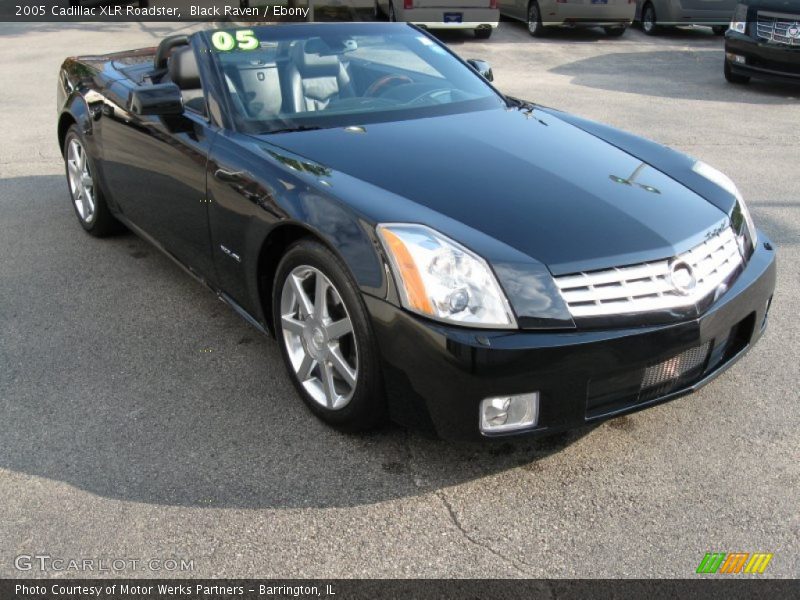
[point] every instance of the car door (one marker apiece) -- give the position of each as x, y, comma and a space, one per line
155, 170
510, 8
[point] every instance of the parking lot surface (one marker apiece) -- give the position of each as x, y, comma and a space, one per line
141, 418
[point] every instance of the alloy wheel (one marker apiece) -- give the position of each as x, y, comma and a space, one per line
81, 183
319, 338
649, 19
533, 19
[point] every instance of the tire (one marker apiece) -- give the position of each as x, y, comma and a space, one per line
649, 19
314, 343
535, 26
483, 34
87, 197
615, 31
719, 29
735, 78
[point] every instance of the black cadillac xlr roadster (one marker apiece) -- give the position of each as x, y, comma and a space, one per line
423, 247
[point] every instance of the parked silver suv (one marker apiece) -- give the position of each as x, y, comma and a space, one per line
613, 15
654, 14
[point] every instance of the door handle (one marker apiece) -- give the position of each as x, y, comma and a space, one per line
228, 176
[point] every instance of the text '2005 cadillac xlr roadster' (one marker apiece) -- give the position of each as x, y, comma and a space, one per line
423, 247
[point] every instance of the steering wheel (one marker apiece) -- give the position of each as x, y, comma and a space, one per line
387, 80
430, 93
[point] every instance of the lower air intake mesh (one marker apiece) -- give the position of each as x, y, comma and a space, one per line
659, 378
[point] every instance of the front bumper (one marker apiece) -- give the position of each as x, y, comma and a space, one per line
614, 14
778, 62
439, 18
436, 375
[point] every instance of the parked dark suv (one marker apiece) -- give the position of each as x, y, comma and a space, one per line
764, 41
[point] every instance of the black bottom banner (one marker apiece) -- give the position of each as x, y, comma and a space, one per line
346, 589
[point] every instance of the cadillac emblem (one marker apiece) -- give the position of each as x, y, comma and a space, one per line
682, 277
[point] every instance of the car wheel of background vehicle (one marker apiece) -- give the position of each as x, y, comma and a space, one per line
326, 338
87, 199
483, 34
535, 26
392, 15
719, 29
614, 31
734, 77
649, 22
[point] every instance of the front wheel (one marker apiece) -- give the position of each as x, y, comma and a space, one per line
649, 21
87, 198
326, 338
483, 34
535, 26
614, 31
719, 29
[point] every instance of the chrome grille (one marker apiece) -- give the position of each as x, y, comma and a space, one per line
648, 286
782, 29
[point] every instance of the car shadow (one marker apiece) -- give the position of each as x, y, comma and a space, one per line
643, 73
125, 378
513, 30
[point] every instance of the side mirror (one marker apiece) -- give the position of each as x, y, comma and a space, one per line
159, 99
482, 67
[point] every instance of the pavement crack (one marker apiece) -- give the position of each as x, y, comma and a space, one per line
518, 566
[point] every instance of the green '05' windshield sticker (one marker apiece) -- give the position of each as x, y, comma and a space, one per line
243, 39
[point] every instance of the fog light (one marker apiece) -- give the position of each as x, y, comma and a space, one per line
509, 413
736, 58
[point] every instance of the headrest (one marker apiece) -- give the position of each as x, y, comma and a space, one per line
315, 59
183, 69
165, 47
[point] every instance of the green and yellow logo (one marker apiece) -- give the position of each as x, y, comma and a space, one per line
735, 562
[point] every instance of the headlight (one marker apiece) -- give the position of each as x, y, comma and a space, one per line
741, 220
739, 19
440, 279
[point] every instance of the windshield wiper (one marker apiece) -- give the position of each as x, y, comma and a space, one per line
522, 104
295, 128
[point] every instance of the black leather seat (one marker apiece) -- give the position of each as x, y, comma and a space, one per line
183, 71
315, 76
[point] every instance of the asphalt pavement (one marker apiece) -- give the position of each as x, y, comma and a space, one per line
140, 418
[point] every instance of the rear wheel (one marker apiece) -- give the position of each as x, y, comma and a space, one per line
483, 34
87, 198
649, 21
326, 338
535, 26
719, 29
614, 31
732, 77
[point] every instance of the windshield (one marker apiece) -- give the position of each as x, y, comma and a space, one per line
331, 75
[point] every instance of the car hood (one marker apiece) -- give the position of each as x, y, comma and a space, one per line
529, 179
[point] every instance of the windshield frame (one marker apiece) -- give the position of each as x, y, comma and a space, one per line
292, 31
